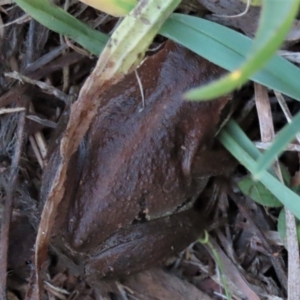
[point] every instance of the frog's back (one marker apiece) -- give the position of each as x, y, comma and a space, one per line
139, 153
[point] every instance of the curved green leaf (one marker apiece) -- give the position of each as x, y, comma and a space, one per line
228, 49
276, 18
58, 20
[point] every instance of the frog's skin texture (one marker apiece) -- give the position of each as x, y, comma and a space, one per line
140, 168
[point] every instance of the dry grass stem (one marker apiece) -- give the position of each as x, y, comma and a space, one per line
267, 135
49, 89
266, 145
11, 110
237, 15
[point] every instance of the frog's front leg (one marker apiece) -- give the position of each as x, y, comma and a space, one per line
144, 245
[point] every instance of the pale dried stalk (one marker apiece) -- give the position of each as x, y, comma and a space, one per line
267, 135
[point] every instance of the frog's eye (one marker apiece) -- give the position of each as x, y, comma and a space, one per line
117, 8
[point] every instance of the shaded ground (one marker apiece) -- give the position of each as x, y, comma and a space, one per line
243, 234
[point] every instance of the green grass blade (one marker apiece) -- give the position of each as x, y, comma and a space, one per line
244, 142
234, 129
276, 18
290, 199
58, 20
221, 45
229, 49
279, 144
270, 36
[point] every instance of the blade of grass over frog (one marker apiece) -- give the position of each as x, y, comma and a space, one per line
117, 8
133, 36
58, 20
289, 199
229, 49
279, 144
270, 36
208, 39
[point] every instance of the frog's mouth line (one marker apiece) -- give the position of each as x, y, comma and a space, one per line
187, 203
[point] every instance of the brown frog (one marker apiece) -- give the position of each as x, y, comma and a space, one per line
140, 169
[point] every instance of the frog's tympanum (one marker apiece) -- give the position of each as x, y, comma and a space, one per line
140, 168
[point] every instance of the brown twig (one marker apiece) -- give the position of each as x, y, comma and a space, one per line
55, 65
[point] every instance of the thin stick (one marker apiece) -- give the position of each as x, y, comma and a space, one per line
267, 134
291, 232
